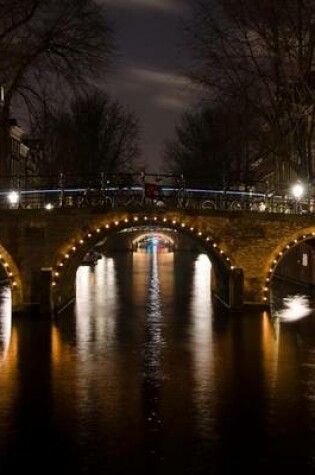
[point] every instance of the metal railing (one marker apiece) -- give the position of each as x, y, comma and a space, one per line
137, 190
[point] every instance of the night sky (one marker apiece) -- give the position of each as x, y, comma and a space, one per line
148, 70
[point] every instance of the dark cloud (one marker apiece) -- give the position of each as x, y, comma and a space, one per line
166, 6
164, 89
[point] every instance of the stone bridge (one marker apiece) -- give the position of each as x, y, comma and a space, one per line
40, 250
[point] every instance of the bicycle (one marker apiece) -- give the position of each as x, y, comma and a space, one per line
208, 204
129, 196
217, 201
94, 198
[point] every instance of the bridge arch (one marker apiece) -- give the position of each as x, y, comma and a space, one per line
13, 277
71, 253
279, 253
160, 235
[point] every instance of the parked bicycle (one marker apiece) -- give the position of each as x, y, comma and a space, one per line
128, 195
92, 197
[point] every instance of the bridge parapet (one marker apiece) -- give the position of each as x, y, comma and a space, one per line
139, 190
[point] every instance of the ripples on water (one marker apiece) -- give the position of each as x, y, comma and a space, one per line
147, 377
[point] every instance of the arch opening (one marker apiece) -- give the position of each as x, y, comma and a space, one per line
10, 277
153, 241
290, 284
112, 233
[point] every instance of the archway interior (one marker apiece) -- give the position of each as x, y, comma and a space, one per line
146, 239
153, 242
120, 236
150, 276
292, 289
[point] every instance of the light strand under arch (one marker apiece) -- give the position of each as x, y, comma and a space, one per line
279, 256
175, 223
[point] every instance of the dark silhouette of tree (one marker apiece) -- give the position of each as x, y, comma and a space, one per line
49, 48
95, 135
208, 148
260, 53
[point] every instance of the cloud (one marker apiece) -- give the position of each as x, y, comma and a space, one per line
154, 76
166, 6
161, 89
166, 90
158, 97
171, 103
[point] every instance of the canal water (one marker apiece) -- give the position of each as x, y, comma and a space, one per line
147, 375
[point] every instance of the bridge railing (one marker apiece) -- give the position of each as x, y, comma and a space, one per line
137, 190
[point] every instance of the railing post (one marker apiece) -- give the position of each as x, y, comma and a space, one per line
102, 181
62, 190
103, 188
18, 189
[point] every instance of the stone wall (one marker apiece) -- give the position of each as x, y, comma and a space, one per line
35, 241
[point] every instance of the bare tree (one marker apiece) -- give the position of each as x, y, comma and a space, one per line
58, 44
262, 53
95, 135
14, 14
209, 147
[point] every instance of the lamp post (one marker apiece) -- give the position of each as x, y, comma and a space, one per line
298, 191
14, 199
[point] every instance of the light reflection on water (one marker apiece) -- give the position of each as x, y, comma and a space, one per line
153, 341
202, 340
146, 377
295, 307
152, 373
5, 321
290, 304
96, 294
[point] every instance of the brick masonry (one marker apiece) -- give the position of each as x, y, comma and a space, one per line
34, 243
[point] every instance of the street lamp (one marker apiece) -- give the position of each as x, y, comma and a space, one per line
297, 190
13, 198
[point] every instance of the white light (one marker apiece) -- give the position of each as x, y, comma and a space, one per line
49, 206
5, 322
295, 308
298, 190
13, 197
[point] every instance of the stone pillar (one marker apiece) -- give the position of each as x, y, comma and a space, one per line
37, 297
236, 295
44, 290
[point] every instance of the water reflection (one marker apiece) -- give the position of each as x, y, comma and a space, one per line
8, 366
146, 377
96, 293
295, 307
5, 320
270, 348
153, 332
290, 303
202, 340
152, 362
